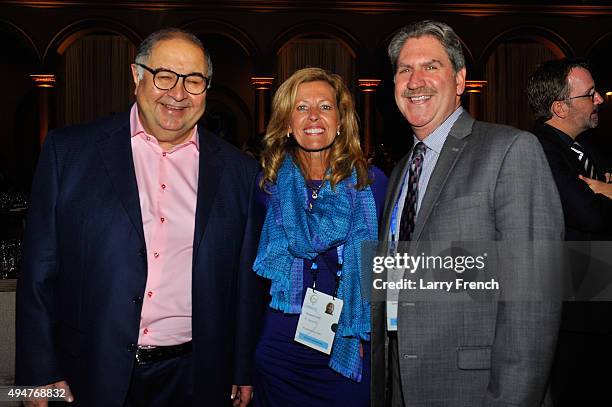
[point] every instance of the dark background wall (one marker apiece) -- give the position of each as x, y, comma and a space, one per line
88, 46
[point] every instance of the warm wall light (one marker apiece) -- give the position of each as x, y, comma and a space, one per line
43, 80
368, 85
261, 82
609, 96
474, 86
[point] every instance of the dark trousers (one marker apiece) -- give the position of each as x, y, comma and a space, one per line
395, 393
168, 383
581, 373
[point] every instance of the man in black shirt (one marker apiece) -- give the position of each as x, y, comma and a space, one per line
563, 96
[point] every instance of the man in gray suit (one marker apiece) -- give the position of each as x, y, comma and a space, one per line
478, 182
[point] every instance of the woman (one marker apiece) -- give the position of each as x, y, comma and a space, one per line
322, 202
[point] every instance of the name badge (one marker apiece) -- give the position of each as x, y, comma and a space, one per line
391, 315
394, 275
318, 321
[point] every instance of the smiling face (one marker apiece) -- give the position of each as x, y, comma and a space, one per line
315, 117
170, 115
427, 90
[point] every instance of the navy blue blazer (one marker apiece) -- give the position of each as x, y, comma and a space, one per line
79, 295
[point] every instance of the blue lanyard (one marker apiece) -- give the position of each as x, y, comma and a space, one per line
314, 268
393, 225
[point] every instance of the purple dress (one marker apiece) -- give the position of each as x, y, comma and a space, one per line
289, 374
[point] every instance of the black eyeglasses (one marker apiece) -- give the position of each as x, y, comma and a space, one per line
588, 95
165, 79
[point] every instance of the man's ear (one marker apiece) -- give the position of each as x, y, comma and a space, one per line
460, 81
560, 109
135, 77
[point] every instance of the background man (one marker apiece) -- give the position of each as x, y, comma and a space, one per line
136, 287
464, 181
563, 96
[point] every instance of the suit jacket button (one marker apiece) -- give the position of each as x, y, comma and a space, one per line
132, 347
142, 252
137, 299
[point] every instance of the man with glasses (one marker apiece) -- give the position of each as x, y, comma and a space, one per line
136, 287
563, 96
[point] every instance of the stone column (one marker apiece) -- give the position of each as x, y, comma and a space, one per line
473, 90
367, 88
262, 86
43, 83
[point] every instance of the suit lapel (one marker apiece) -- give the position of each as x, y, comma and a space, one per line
452, 149
211, 168
115, 149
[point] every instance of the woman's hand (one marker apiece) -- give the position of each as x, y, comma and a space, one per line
599, 187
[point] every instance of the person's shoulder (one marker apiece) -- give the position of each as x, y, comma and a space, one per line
231, 154
377, 176
79, 136
503, 134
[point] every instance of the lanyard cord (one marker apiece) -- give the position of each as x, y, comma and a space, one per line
314, 268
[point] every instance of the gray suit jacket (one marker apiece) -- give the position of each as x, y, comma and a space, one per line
490, 183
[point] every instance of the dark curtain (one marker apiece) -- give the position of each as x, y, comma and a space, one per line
322, 53
96, 79
506, 73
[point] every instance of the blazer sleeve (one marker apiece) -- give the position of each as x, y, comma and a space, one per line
251, 291
36, 360
527, 208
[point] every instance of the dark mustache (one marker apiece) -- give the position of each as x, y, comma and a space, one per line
408, 93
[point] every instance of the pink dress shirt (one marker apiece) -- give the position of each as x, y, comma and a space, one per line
167, 187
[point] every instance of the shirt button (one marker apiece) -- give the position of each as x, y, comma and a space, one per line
163, 186
132, 347
148, 138
146, 331
164, 154
163, 220
156, 255
150, 294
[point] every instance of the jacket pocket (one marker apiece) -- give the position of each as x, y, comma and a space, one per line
462, 202
474, 357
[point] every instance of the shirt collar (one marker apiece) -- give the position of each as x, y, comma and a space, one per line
137, 129
564, 137
435, 141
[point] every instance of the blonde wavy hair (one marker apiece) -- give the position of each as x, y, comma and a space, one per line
345, 153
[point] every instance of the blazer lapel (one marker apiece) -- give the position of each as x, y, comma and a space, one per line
115, 149
455, 142
211, 169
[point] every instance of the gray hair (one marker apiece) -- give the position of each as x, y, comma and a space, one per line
443, 32
146, 46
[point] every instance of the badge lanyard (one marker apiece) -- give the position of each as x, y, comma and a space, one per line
393, 225
314, 268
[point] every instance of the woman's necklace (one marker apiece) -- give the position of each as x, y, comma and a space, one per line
314, 188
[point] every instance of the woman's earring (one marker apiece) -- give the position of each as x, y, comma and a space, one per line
338, 132
288, 134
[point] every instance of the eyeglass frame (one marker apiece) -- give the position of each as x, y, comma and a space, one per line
588, 95
178, 77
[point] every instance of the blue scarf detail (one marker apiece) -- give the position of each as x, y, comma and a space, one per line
293, 233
